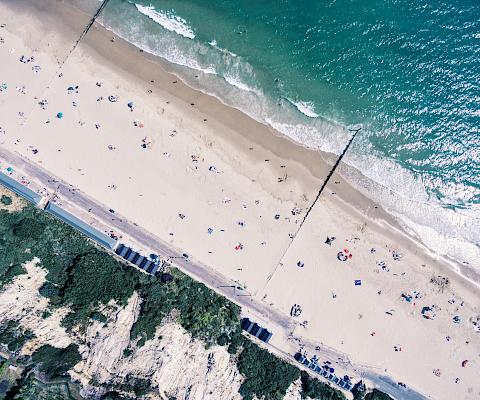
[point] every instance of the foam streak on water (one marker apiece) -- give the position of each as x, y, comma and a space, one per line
168, 20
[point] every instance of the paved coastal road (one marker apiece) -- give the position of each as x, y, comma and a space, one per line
73, 197
198, 271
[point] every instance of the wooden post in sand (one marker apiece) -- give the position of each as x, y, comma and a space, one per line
332, 171
355, 131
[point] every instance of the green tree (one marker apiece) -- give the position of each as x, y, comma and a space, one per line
376, 394
314, 389
55, 362
28, 228
266, 376
14, 336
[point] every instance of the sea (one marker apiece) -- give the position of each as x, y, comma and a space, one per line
406, 72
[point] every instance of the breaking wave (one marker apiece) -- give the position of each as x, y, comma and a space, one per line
168, 20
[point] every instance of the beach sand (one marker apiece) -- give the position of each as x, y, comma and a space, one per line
231, 193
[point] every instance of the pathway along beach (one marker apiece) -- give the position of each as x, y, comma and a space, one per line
232, 193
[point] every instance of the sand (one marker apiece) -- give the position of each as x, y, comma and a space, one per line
211, 181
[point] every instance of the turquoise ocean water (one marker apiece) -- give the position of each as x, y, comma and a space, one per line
407, 72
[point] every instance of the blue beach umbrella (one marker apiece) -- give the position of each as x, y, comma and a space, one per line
60, 115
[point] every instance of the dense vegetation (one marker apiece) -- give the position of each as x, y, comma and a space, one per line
266, 376
314, 389
204, 314
83, 278
376, 394
33, 389
54, 362
13, 336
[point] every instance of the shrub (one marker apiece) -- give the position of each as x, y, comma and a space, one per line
6, 200
203, 313
95, 278
97, 316
49, 290
127, 352
237, 340
28, 228
139, 386
113, 396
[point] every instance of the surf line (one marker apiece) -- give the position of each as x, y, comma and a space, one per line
330, 174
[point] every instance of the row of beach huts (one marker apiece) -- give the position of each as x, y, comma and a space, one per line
325, 370
148, 264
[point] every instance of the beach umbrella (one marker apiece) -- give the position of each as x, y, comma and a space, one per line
60, 115
464, 363
130, 105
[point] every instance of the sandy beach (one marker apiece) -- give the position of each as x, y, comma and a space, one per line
231, 193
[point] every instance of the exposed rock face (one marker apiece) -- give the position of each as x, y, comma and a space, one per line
20, 301
176, 365
105, 343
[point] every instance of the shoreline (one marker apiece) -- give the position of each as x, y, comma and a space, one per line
123, 56
316, 161
360, 184
225, 140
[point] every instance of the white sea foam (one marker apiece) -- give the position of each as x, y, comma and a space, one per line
443, 230
239, 84
171, 52
451, 233
176, 56
305, 107
168, 20
214, 44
